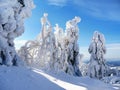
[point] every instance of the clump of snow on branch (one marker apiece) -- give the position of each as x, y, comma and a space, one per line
97, 67
12, 15
56, 50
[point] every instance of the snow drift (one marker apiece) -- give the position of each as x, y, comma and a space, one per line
19, 78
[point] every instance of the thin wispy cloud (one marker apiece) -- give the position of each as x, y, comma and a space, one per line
103, 9
113, 51
114, 46
57, 2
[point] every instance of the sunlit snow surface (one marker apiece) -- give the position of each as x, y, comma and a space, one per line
16, 78
63, 84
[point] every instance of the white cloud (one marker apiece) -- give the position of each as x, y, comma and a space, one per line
57, 2
19, 43
113, 46
113, 52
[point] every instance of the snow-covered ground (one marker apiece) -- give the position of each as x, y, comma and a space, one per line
19, 78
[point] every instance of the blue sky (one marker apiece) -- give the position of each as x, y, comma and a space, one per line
101, 15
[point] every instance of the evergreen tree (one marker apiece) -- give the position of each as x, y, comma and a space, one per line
97, 67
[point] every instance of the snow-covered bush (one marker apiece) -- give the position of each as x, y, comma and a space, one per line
97, 67
111, 79
12, 15
113, 76
56, 50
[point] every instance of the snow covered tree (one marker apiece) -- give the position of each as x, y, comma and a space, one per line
66, 54
12, 15
72, 55
97, 67
56, 62
47, 49
39, 52
67, 48
56, 50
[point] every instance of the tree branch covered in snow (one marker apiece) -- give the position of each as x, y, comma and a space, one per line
12, 15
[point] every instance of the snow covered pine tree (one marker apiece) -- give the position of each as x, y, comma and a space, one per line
12, 15
97, 67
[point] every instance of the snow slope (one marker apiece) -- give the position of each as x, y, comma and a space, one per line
19, 78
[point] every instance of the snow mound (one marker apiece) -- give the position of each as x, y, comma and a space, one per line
19, 78
15, 78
